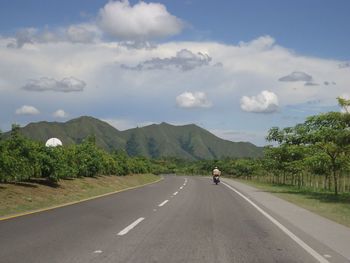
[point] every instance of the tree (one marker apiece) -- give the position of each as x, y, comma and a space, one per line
328, 132
244, 168
88, 158
19, 157
344, 103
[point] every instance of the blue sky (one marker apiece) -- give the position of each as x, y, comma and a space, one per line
236, 68
313, 27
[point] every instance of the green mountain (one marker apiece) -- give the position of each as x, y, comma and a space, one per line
188, 141
75, 131
156, 140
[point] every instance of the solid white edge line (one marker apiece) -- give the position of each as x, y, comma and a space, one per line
163, 203
175, 193
131, 226
301, 243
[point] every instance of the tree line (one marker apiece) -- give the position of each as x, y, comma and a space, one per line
23, 159
313, 155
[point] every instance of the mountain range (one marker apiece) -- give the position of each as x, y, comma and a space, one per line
153, 141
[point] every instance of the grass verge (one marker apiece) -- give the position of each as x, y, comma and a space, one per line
37, 194
326, 204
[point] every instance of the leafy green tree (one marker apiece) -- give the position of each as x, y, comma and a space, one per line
244, 168
328, 132
53, 164
121, 160
318, 163
344, 103
88, 158
19, 157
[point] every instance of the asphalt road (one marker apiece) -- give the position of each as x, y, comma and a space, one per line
180, 219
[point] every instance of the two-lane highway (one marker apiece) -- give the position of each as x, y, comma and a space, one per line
180, 219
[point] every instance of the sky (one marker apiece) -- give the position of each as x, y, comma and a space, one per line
235, 68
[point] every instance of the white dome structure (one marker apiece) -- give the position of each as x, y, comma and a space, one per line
53, 142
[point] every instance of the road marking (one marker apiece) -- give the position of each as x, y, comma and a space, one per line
301, 243
97, 251
175, 193
327, 256
181, 187
163, 203
131, 226
154, 210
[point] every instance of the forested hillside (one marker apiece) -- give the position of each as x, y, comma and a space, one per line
153, 141
188, 142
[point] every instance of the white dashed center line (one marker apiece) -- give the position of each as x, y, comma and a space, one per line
97, 251
131, 226
181, 187
163, 203
175, 193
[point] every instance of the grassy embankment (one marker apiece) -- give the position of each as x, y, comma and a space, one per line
37, 194
326, 204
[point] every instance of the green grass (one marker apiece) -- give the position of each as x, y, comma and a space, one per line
38, 194
326, 204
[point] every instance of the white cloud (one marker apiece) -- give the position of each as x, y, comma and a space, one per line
112, 90
60, 114
261, 43
83, 33
139, 22
27, 110
265, 102
193, 100
70, 84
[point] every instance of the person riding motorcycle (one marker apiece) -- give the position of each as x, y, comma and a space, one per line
216, 173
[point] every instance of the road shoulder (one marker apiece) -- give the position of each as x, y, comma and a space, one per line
331, 234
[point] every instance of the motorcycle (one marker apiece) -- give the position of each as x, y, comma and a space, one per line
216, 179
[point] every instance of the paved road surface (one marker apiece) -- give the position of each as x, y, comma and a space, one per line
180, 219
